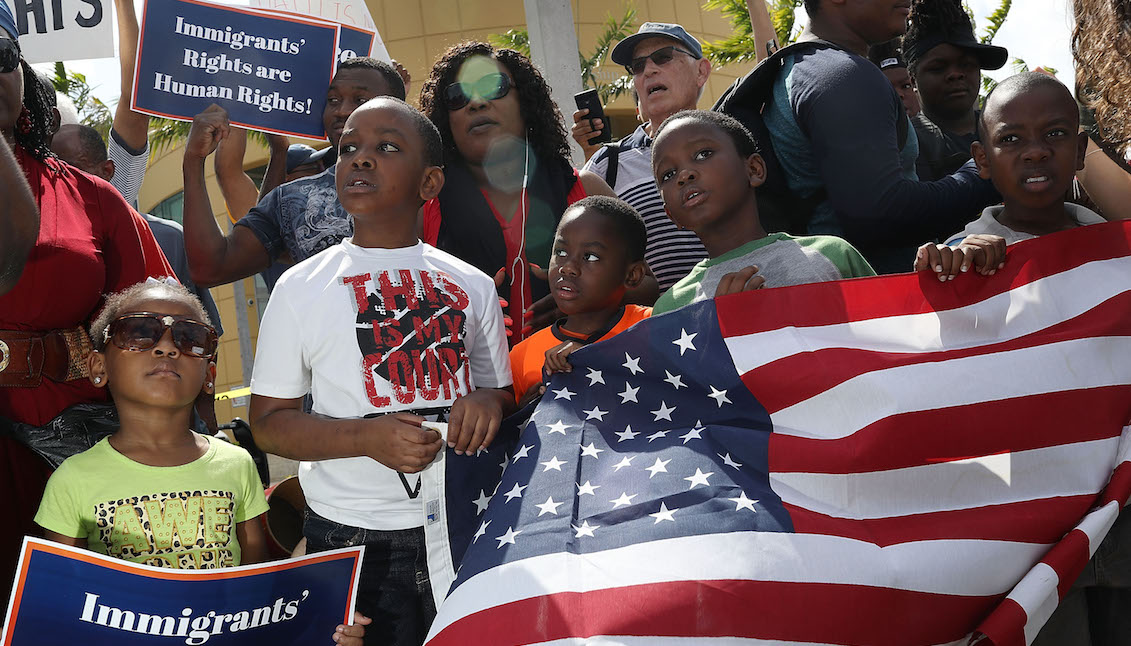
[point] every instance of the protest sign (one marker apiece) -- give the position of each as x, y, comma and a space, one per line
269, 71
64, 30
356, 41
67, 595
353, 41
350, 13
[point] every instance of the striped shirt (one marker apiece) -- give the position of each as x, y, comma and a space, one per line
671, 252
129, 166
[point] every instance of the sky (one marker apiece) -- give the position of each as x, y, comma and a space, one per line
1037, 31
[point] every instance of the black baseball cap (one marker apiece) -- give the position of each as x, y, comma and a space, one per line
990, 57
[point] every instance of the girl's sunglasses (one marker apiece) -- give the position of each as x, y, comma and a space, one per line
141, 331
490, 87
9, 55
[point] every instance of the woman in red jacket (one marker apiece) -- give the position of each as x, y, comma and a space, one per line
90, 243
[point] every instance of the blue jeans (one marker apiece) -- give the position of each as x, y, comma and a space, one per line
394, 589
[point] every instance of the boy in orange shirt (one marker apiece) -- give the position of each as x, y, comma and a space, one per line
598, 254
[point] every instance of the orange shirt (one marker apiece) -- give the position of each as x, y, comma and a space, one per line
528, 356
519, 297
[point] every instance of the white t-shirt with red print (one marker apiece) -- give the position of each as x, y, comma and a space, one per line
371, 331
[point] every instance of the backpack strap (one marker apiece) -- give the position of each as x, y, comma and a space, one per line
901, 128
779, 208
612, 154
756, 87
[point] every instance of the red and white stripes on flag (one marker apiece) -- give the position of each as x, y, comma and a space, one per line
970, 424
949, 454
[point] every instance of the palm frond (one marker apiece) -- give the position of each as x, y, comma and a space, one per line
165, 133
782, 14
91, 110
740, 47
736, 12
618, 88
736, 48
988, 85
995, 20
614, 29
517, 39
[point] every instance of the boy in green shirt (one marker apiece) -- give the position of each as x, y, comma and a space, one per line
707, 167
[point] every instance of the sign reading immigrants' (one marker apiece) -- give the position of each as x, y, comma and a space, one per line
74, 596
269, 71
352, 15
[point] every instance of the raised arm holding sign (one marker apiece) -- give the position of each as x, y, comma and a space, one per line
265, 69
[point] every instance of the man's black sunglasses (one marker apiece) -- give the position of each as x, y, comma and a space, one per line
661, 56
9, 55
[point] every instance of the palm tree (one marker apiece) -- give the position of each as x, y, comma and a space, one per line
614, 30
92, 111
164, 133
739, 47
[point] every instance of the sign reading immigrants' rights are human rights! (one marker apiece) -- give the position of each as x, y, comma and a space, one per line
67, 595
269, 70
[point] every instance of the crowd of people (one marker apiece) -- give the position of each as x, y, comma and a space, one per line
437, 265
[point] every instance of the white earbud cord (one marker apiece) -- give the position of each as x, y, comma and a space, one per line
519, 273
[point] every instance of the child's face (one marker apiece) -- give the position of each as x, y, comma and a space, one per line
1031, 148
703, 180
381, 164
589, 269
162, 375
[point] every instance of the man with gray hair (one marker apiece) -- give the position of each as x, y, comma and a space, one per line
668, 75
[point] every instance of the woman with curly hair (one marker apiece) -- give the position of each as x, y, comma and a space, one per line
508, 177
1101, 45
89, 243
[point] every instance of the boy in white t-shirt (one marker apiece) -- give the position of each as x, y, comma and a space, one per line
381, 329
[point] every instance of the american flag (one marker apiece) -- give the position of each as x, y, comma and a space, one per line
870, 462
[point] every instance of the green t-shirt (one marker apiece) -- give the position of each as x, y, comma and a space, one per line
178, 517
781, 258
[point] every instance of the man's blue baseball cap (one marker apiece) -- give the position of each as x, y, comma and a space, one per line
297, 155
622, 53
7, 20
